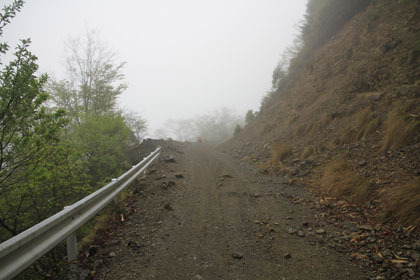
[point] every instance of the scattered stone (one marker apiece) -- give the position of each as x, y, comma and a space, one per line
415, 256
305, 223
164, 186
93, 249
291, 231
133, 244
112, 255
417, 246
237, 255
410, 272
366, 227
350, 226
300, 233
362, 163
76, 272
161, 177
257, 195
151, 171
170, 159
371, 239
287, 256
168, 207
378, 259
406, 247
289, 218
359, 256
387, 253
320, 231
179, 176
97, 263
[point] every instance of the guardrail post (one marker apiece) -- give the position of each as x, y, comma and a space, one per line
22, 250
117, 197
72, 247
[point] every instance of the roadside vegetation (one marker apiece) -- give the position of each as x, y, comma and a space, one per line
60, 140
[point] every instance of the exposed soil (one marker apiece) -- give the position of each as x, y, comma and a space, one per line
200, 214
370, 67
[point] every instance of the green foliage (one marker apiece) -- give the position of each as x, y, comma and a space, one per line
8, 13
48, 161
104, 142
45, 161
237, 130
279, 74
250, 117
56, 181
26, 126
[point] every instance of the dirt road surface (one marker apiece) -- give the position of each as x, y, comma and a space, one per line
221, 220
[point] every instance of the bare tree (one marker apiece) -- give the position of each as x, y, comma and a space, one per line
94, 78
216, 126
182, 129
136, 123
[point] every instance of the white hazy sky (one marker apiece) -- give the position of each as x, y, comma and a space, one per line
184, 57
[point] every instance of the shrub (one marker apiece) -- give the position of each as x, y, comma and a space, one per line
237, 130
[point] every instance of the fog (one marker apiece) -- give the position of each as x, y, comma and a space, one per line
184, 58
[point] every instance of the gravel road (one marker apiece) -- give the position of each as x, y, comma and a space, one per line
199, 214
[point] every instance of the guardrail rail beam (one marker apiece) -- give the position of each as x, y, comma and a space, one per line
22, 250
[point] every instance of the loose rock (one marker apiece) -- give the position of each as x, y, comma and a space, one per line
168, 207
237, 255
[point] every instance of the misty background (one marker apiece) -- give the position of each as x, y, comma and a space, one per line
184, 58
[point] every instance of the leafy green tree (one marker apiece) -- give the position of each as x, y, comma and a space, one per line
237, 130
249, 117
104, 141
27, 128
56, 181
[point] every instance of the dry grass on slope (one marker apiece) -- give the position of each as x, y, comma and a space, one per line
402, 203
281, 153
401, 126
340, 180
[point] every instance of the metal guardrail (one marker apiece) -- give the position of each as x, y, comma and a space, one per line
22, 250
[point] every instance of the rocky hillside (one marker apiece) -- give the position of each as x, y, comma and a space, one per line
346, 120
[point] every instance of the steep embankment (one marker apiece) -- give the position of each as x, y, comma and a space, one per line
347, 121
